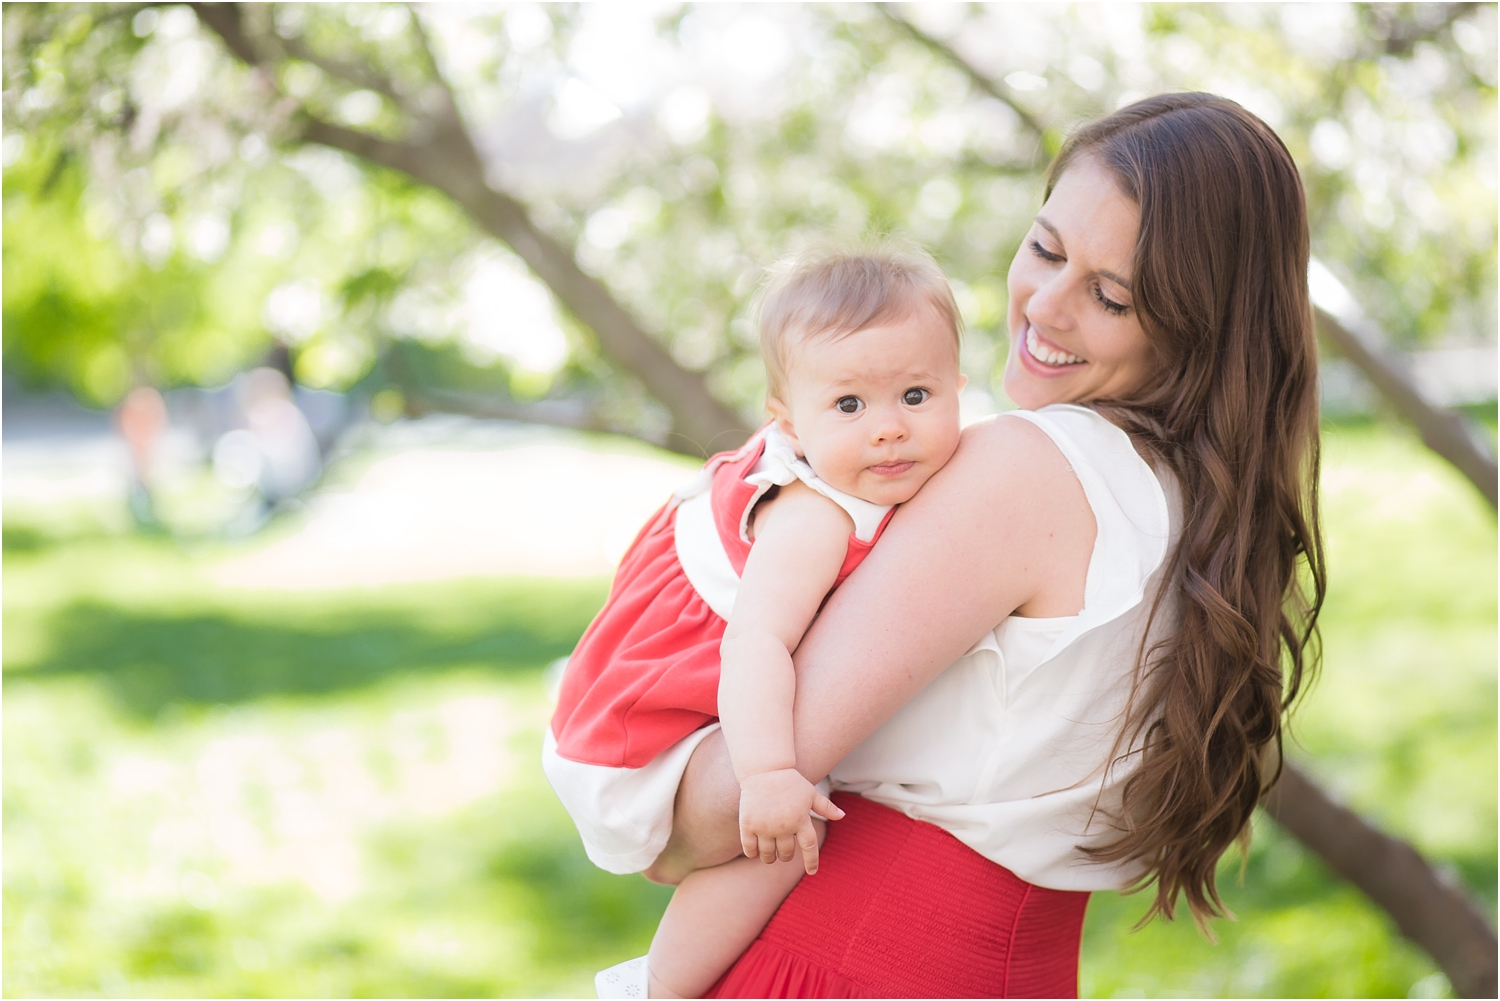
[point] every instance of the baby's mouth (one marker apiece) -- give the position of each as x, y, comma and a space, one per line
1046, 355
891, 468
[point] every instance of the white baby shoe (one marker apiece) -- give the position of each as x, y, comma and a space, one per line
629, 979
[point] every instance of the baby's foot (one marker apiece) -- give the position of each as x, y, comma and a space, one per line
629, 979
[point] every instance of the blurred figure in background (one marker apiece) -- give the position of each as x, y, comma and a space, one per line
275, 454
142, 418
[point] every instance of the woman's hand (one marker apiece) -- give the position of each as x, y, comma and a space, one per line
776, 809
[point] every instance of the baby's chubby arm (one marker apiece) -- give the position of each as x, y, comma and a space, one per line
801, 539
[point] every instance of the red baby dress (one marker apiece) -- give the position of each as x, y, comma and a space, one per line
641, 689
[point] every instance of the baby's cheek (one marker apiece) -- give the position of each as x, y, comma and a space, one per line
843, 468
945, 445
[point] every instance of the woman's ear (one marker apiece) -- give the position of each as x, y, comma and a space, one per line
782, 418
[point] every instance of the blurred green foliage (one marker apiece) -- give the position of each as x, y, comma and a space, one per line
220, 792
158, 200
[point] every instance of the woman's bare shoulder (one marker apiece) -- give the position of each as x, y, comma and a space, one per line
1017, 458
1021, 512
1009, 432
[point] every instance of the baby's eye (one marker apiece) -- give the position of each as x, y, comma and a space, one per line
915, 397
850, 404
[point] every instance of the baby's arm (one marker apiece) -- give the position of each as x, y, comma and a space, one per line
801, 539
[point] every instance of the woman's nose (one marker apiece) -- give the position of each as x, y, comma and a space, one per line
1048, 306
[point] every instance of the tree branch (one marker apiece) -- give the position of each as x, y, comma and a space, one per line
995, 88
1398, 35
1443, 431
1427, 907
400, 156
225, 20
450, 113
449, 162
348, 72
429, 56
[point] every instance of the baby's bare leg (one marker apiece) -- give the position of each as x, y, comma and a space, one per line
705, 818
713, 917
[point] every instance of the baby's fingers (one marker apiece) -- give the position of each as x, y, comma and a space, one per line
826, 808
768, 850
807, 840
786, 848
750, 844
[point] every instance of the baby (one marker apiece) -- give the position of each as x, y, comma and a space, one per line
714, 595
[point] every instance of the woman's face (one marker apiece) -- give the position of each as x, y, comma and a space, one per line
1074, 332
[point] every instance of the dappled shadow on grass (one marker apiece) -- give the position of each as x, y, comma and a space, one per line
496, 902
151, 658
25, 539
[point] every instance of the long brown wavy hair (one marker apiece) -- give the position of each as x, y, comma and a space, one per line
1220, 286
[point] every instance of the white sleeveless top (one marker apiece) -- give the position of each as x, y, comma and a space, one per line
1009, 748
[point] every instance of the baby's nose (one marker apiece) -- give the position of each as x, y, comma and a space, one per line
890, 428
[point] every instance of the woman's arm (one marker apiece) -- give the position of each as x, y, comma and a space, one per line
1003, 528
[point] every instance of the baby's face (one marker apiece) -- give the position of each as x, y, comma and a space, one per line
875, 412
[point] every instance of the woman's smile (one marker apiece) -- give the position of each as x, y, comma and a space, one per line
1039, 349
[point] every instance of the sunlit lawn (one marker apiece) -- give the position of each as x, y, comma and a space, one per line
211, 792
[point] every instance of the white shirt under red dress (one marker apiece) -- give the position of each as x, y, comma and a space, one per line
1012, 749
641, 689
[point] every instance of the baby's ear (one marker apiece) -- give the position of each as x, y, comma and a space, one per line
783, 420
963, 381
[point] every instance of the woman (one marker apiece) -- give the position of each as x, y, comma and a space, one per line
1150, 552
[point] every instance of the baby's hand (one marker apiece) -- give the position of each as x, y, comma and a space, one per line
775, 816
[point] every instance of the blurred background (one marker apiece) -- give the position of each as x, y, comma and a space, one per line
347, 346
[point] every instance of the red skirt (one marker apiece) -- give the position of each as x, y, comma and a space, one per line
900, 908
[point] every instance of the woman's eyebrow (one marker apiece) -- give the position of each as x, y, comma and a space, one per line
1124, 283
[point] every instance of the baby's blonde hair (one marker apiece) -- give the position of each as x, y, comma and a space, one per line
833, 291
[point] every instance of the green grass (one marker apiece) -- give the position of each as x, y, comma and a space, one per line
211, 792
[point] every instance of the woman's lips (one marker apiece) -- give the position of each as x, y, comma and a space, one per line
1040, 357
1048, 353
891, 468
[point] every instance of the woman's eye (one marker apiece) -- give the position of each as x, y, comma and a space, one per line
849, 404
915, 397
1043, 252
1110, 306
